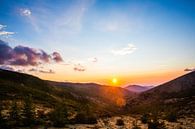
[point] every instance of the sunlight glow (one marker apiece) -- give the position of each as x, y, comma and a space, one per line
114, 81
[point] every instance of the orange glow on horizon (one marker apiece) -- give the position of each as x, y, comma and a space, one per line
146, 79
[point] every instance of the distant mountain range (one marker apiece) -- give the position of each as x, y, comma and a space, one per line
137, 88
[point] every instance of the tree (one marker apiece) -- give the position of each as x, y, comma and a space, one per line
28, 112
85, 115
59, 116
3, 121
14, 114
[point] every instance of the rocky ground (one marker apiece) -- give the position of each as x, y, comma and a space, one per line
110, 123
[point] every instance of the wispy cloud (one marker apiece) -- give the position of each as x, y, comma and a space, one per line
50, 71
25, 12
7, 68
125, 51
93, 59
3, 32
79, 67
36, 70
189, 69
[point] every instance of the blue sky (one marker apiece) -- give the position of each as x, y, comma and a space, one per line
114, 38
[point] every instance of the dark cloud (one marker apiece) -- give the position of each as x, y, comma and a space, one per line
79, 68
33, 70
189, 69
57, 57
24, 56
49, 71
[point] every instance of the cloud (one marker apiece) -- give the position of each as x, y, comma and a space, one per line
189, 69
47, 71
50, 71
125, 51
57, 57
7, 68
2, 26
25, 56
3, 32
32, 70
93, 59
25, 12
79, 67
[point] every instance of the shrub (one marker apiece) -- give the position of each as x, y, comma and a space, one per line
155, 124
120, 122
28, 112
145, 118
171, 117
59, 116
83, 118
135, 126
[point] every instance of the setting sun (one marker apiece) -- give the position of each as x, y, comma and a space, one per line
114, 81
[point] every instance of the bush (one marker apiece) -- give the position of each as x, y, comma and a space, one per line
145, 118
171, 117
59, 116
155, 124
120, 122
28, 112
135, 126
83, 118
14, 115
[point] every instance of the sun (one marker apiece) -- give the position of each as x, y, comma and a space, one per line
114, 81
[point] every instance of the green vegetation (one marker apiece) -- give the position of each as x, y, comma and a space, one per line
85, 115
14, 115
171, 116
59, 116
28, 112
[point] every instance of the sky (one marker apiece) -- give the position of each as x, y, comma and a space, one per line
144, 42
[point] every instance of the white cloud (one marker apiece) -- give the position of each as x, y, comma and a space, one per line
6, 33
93, 59
2, 26
124, 51
3, 32
25, 12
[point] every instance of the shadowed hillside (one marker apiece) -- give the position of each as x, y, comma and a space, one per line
177, 95
102, 99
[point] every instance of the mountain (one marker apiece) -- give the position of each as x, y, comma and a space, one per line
101, 99
177, 94
137, 88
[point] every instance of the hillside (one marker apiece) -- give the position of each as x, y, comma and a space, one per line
14, 85
177, 94
137, 88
